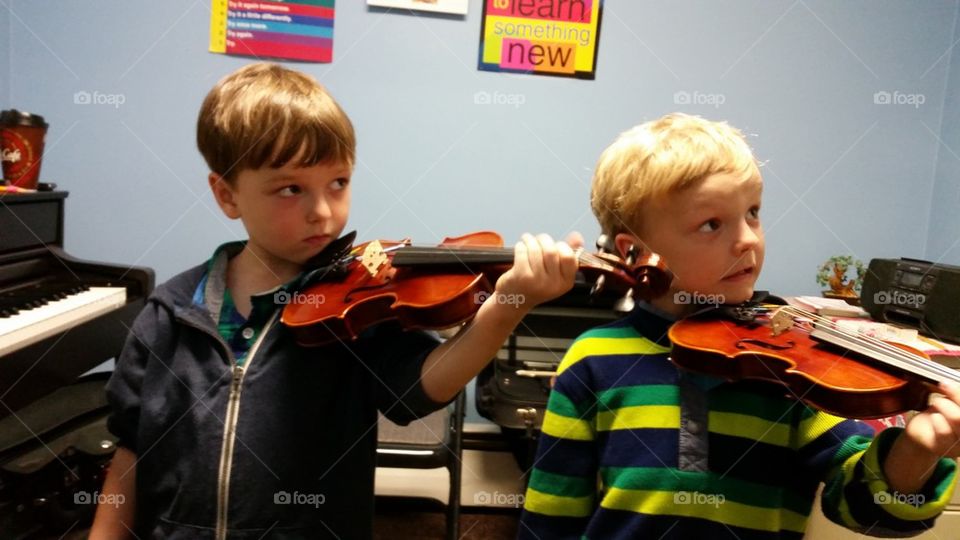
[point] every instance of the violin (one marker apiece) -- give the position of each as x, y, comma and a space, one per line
845, 373
438, 286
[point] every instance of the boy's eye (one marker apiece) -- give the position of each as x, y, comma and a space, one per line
341, 183
710, 225
289, 191
755, 212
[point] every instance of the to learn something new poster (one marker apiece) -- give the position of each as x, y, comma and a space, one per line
542, 37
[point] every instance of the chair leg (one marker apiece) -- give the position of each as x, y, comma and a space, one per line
454, 466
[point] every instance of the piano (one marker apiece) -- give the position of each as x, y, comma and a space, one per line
59, 316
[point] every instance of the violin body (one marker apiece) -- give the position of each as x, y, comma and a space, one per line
828, 378
428, 288
417, 298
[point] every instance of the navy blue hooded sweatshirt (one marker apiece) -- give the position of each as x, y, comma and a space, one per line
281, 447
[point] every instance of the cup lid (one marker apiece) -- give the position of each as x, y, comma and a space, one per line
13, 117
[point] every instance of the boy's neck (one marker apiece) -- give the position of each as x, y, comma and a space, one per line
251, 272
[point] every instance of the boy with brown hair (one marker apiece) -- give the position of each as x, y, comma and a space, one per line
632, 447
227, 428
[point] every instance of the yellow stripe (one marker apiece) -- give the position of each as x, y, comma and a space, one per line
641, 416
557, 505
588, 346
713, 507
749, 427
815, 426
894, 503
843, 508
564, 427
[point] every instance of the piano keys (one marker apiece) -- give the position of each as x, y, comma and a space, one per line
59, 316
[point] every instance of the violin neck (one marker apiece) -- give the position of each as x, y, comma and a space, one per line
452, 256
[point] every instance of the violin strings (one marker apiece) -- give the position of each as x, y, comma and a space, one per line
913, 363
900, 356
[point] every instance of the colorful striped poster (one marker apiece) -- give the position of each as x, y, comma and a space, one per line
542, 37
300, 30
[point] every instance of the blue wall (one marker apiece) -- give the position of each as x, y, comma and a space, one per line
943, 240
5, 52
843, 173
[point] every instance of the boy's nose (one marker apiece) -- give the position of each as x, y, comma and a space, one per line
319, 209
747, 238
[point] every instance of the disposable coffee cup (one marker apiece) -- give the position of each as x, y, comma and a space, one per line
21, 147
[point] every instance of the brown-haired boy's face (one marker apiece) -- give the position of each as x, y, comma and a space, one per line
290, 213
711, 238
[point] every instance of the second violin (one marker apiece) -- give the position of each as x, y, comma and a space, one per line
436, 287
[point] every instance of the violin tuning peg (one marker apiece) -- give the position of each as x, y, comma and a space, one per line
631, 255
625, 304
597, 286
605, 244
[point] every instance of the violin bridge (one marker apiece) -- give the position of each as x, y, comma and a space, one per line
780, 322
376, 262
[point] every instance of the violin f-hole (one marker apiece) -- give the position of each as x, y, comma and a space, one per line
741, 344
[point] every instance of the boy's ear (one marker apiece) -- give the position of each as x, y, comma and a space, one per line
224, 194
624, 241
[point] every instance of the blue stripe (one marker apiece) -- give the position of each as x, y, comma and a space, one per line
649, 447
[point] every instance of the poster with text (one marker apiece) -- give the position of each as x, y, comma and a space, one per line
458, 7
301, 30
542, 37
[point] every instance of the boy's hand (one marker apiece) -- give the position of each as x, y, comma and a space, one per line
542, 270
937, 429
930, 435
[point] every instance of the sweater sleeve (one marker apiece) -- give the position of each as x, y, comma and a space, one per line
856, 494
562, 492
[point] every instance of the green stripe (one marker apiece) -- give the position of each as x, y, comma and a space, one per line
561, 405
741, 491
631, 396
563, 485
773, 410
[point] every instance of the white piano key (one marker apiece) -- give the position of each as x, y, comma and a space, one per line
33, 325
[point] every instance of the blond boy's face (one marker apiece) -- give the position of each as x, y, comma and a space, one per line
290, 213
711, 238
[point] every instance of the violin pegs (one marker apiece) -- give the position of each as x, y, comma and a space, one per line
598, 285
604, 244
625, 304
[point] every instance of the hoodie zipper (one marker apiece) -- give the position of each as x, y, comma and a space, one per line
230, 429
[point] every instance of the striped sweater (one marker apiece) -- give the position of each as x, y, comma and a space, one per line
632, 447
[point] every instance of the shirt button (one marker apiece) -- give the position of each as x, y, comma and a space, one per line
247, 333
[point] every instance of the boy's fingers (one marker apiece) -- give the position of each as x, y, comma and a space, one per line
521, 260
551, 257
568, 261
534, 253
574, 239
